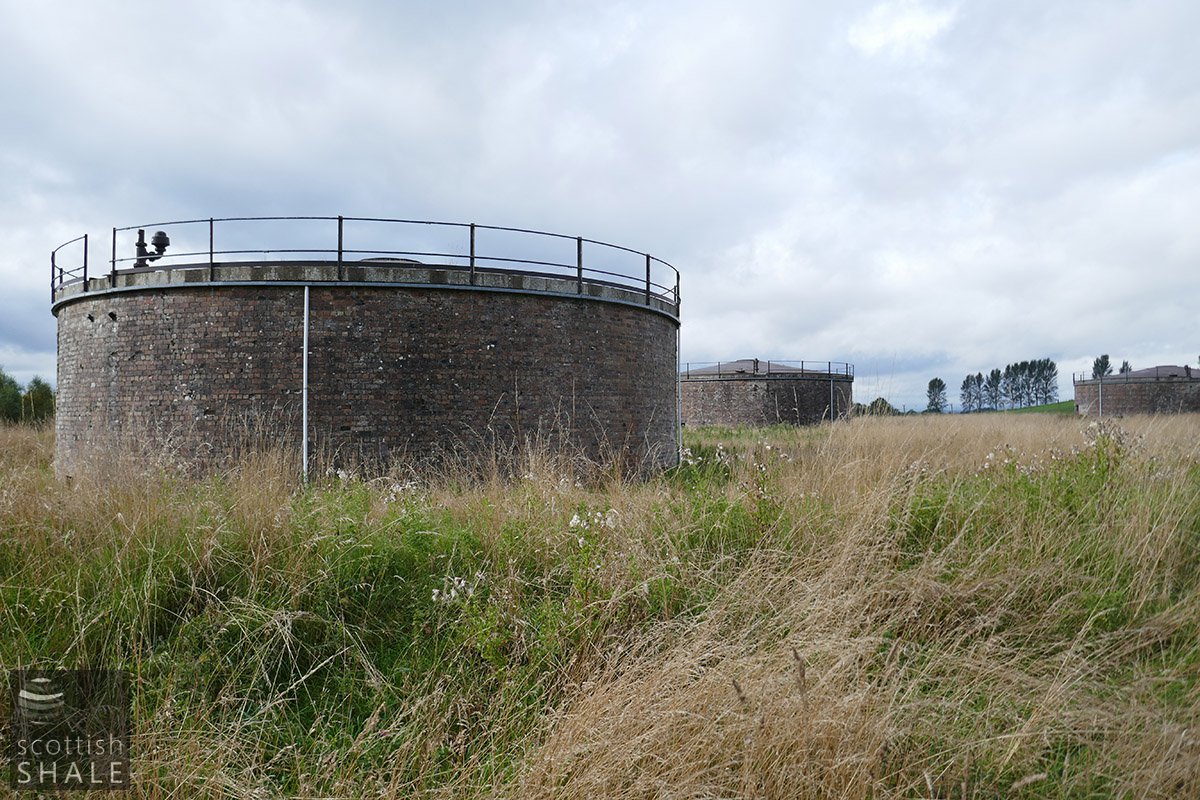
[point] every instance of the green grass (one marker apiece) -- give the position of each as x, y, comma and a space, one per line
1061, 407
880, 608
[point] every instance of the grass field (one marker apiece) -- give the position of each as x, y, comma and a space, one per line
1061, 407
976, 606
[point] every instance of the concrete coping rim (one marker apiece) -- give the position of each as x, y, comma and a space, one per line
374, 274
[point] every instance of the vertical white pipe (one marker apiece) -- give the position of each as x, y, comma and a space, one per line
678, 404
304, 395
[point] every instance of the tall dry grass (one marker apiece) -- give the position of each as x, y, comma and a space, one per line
983, 606
936, 620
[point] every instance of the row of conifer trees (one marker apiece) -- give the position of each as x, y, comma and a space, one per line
1024, 383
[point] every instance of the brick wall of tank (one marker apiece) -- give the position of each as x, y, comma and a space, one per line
1139, 396
392, 373
763, 401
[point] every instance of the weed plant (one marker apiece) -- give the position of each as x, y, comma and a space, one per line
983, 606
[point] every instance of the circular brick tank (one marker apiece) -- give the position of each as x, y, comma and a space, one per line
1157, 390
405, 360
754, 392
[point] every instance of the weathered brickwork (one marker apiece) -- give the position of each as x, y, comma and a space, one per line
1138, 396
178, 371
393, 372
764, 400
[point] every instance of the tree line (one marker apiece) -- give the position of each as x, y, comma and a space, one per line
32, 403
1102, 367
879, 407
1024, 383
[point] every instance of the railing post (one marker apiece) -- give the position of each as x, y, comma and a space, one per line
647, 279
85, 262
341, 221
579, 265
112, 276
472, 253
52, 268
212, 270
677, 293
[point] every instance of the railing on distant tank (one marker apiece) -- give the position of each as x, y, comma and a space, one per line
774, 367
1139, 376
664, 286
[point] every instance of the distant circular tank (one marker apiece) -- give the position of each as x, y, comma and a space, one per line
756, 392
412, 354
1166, 389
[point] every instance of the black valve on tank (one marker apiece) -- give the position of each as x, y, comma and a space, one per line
159, 241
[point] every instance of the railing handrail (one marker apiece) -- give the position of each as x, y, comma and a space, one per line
1125, 377
763, 367
79, 238
477, 226
144, 225
639, 279
59, 275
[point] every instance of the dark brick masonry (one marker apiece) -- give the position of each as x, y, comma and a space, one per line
1139, 395
762, 400
393, 371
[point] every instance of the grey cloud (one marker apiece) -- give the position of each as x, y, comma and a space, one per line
1019, 185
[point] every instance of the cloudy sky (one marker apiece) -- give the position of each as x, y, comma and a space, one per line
922, 188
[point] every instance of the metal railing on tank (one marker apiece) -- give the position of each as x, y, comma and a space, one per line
354, 241
1163, 373
748, 367
60, 275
